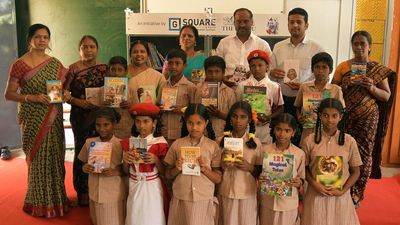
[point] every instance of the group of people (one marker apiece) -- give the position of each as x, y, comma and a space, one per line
350, 122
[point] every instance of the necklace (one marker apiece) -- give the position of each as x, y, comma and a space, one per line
192, 143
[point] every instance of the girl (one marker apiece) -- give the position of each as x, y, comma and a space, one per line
147, 198
107, 192
193, 199
331, 152
237, 190
282, 210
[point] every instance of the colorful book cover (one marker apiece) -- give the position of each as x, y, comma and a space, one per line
209, 93
54, 91
168, 98
100, 155
198, 76
311, 102
115, 90
277, 173
93, 95
141, 147
256, 97
239, 74
190, 164
358, 71
292, 70
233, 149
329, 171
148, 94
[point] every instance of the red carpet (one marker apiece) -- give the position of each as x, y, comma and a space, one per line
380, 207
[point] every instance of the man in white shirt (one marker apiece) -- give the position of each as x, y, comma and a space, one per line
236, 47
297, 50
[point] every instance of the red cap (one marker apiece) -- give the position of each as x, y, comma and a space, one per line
259, 54
144, 109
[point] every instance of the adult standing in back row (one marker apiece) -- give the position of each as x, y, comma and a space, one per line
297, 49
236, 47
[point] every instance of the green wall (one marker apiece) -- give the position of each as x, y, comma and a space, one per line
70, 20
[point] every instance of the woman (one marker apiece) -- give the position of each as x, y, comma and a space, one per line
85, 73
44, 147
188, 36
368, 102
145, 82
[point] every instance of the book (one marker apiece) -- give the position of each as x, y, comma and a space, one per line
168, 98
277, 173
256, 97
198, 76
190, 164
141, 147
239, 74
100, 155
115, 90
54, 91
93, 95
148, 94
233, 149
311, 101
358, 71
292, 70
329, 171
209, 93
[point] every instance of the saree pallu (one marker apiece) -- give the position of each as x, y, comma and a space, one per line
43, 143
82, 120
367, 123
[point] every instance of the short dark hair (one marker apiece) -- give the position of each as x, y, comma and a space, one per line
362, 33
118, 60
243, 9
177, 53
33, 28
299, 11
88, 37
215, 61
109, 113
322, 57
139, 42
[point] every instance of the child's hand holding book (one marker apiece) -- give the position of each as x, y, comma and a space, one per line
150, 158
244, 165
110, 172
88, 168
296, 182
179, 163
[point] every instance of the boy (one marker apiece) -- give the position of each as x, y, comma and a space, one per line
321, 65
214, 67
259, 65
186, 93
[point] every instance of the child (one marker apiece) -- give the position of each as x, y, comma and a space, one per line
171, 120
331, 152
193, 196
321, 65
215, 72
118, 67
237, 190
147, 196
282, 210
259, 65
107, 192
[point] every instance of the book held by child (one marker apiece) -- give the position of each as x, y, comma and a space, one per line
115, 90
141, 147
168, 98
148, 94
54, 91
190, 164
198, 76
100, 155
256, 96
209, 93
329, 171
311, 102
233, 149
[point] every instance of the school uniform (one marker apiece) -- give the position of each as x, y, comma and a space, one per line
282, 210
193, 201
332, 90
274, 97
330, 210
147, 197
172, 121
107, 194
226, 98
238, 190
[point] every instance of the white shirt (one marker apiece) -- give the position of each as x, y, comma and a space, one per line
274, 97
303, 52
235, 52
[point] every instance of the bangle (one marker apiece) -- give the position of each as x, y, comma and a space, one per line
26, 98
70, 100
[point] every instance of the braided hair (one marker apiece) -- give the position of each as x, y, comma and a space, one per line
200, 110
336, 104
245, 106
282, 118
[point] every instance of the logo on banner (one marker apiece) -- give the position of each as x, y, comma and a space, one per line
174, 24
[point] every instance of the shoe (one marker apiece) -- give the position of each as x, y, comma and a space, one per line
5, 153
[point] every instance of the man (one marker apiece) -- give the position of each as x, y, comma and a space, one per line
236, 47
296, 50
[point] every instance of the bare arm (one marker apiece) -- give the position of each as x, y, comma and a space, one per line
381, 91
11, 94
